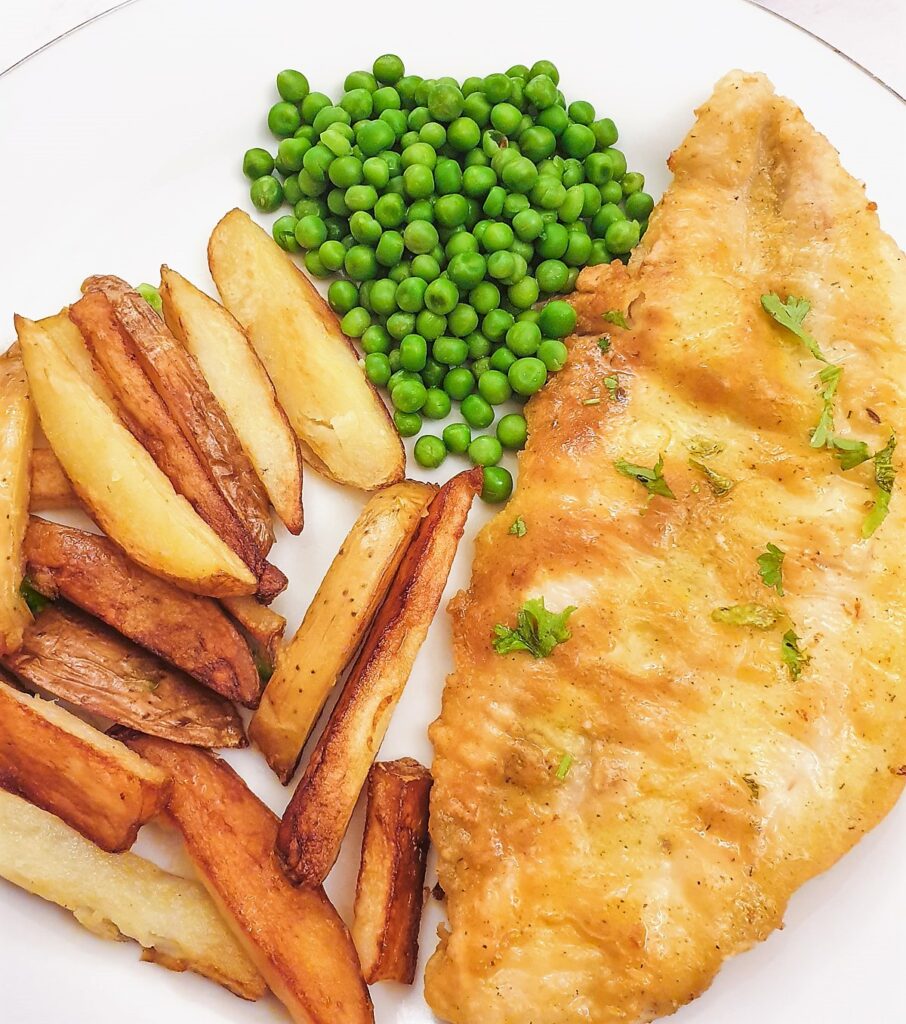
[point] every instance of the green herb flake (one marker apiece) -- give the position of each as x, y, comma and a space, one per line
651, 479
518, 528
36, 601
152, 296
612, 383
752, 783
591, 401
618, 319
885, 475
823, 434
770, 568
566, 762
758, 616
792, 654
718, 483
704, 447
791, 315
604, 343
537, 631
264, 667
849, 452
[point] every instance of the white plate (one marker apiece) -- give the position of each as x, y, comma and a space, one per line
122, 147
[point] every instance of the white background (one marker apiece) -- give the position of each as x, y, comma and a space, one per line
872, 32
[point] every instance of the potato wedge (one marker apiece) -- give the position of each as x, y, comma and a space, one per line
390, 888
68, 339
50, 487
120, 895
78, 659
241, 385
262, 627
335, 623
342, 424
188, 631
180, 383
143, 411
293, 936
17, 425
318, 815
95, 784
113, 475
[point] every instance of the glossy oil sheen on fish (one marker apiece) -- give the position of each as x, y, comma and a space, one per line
706, 781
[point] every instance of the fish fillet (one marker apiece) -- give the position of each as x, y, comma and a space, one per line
615, 820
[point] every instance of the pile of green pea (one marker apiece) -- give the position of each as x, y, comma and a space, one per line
448, 210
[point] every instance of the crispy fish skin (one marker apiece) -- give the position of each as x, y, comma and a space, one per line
706, 784
189, 631
67, 654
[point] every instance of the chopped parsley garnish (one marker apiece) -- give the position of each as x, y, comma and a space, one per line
849, 452
704, 447
758, 616
36, 602
651, 479
614, 316
792, 654
591, 401
537, 631
566, 762
718, 483
770, 568
612, 383
151, 295
791, 315
604, 343
518, 528
823, 434
885, 475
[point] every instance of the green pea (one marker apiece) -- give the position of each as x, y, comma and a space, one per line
497, 236
390, 247
445, 101
334, 140
433, 373
356, 322
450, 351
407, 423
364, 228
496, 88
336, 202
477, 411
537, 143
524, 293
484, 297
401, 272
458, 383
376, 340
377, 368
292, 194
592, 200
573, 172
611, 192
457, 436
467, 269
496, 324
292, 86
360, 80
548, 192
406, 87
520, 175
316, 162
257, 163
477, 108
551, 275
410, 294
308, 185
480, 366
581, 111
557, 319
399, 376
357, 103
400, 324
266, 193
413, 352
497, 485
342, 296
312, 105
418, 181
638, 205
493, 203
385, 98
462, 320
420, 236
382, 298
598, 168
450, 210
361, 197
494, 387
345, 171
479, 346
553, 353
485, 450
505, 117
527, 375
441, 297
622, 236
577, 251
571, 208
632, 182
426, 267
283, 119
360, 263
523, 338
283, 233
437, 404
463, 134
409, 395
331, 254
388, 69
328, 116
609, 214
605, 132
541, 91
430, 325
460, 244
512, 431
618, 160
429, 451
373, 137
515, 203
390, 210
